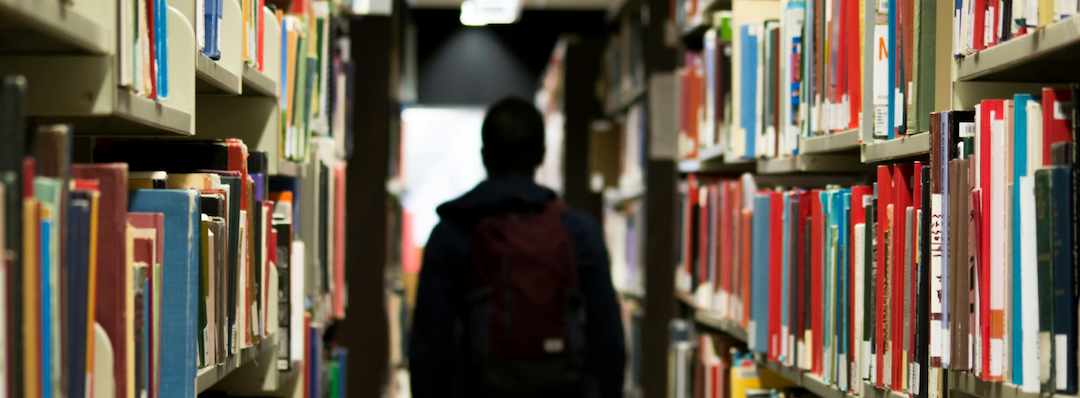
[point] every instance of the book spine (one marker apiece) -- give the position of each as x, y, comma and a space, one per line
1044, 255
1064, 283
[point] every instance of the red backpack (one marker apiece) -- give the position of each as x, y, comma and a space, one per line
527, 315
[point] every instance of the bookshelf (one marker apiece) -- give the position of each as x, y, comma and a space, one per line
1046, 56
210, 376
828, 137
67, 55
53, 26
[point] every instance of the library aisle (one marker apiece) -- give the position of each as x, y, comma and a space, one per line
796, 198
830, 198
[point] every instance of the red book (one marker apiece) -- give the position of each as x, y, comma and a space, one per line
111, 261
996, 12
801, 317
151, 90
1056, 119
979, 25
885, 197
989, 111
736, 249
981, 267
155, 222
776, 270
854, 76
747, 231
339, 240
260, 24
817, 255
902, 174
688, 225
724, 235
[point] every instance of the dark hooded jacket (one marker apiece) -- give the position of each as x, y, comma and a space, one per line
439, 361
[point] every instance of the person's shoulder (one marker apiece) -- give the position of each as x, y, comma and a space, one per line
579, 223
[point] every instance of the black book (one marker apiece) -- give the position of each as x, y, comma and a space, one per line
12, 153
922, 312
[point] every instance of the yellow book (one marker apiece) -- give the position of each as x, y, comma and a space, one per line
1046, 12
129, 309
91, 293
31, 301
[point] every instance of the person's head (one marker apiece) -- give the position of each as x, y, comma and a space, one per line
513, 138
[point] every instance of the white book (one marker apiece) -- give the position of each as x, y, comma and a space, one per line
997, 189
1064, 9
200, 24
125, 25
1031, 14
1030, 284
296, 295
861, 347
881, 82
1034, 126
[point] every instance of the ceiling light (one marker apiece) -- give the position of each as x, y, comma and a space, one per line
484, 12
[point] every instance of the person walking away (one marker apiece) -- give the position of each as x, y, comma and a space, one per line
515, 296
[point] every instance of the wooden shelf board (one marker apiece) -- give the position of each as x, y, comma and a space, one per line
52, 27
1049, 54
212, 78
836, 142
258, 83
206, 377
906, 147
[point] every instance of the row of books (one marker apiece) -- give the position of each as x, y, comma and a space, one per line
624, 234
979, 25
771, 72
624, 60
124, 276
142, 47
710, 366
886, 283
316, 67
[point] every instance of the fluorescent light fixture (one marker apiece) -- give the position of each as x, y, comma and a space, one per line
485, 12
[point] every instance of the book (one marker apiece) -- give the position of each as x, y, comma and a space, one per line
12, 132
111, 264
179, 294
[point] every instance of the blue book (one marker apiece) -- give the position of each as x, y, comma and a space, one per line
1064, 289
48, 191
179, 294
759, 274
749, 35
342, 356
46, 312
78, 274
842, 209
894, 112
211, 21
161, 40
1020, 137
